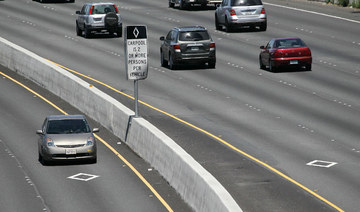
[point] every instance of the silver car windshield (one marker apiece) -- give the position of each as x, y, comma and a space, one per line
245, 2
194, 36
68, 126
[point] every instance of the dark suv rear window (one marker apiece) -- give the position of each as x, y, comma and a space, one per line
245, 2
104, 9
68, 126
194, 36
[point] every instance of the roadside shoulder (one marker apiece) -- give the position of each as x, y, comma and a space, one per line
319, 7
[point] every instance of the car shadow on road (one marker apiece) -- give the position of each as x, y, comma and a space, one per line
103, 36
288, 70
244, 29
67, 163
198, 8
55, 2
190, 67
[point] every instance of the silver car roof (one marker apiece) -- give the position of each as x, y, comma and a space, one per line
190, 28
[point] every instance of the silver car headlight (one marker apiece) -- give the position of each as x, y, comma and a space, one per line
90, 141
50, 142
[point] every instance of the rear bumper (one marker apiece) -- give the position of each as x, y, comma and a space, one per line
292, 61
196, 1
195, 58
238, 21
101, 27
214, 1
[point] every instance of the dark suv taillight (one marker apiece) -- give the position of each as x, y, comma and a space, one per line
176, 47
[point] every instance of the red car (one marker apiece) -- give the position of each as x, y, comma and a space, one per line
280, 52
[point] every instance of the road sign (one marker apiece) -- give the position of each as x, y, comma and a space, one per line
136, 52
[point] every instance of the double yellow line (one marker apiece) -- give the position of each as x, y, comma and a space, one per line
186, 123
137, 173
214, 137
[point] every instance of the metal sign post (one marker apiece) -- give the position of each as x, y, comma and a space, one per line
136, 52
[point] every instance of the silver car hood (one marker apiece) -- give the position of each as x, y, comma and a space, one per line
70, 139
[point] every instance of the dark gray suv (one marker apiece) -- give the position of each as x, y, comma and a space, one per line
187, 45
98, 17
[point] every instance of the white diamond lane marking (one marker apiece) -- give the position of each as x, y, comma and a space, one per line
320, 163
83, 177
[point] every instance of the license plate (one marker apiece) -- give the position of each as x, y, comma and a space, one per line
194, 48
294, 62
70, 151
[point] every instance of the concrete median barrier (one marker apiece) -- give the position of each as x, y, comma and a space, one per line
196, 186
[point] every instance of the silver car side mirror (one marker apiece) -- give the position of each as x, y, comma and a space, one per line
95, 130
39, 132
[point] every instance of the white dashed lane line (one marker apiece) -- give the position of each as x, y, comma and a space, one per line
312, 12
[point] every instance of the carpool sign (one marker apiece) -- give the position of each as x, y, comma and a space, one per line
136, 51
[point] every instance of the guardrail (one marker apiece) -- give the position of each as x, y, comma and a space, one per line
195, 185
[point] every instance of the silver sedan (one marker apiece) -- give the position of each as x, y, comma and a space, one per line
64, 137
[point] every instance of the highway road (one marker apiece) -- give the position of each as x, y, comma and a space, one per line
108, 185
288, 121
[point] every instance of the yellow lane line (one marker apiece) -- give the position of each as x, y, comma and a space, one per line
213, 136
32, 91
137, 173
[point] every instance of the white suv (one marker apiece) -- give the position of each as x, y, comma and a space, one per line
98, 17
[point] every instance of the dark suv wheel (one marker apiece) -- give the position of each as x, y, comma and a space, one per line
182, 5
217, 25
78, 30
263, 26
87, 32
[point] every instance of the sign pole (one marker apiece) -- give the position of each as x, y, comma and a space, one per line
136, 94
136, 53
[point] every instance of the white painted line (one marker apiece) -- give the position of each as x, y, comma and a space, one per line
321, 163
317, 13
83, 177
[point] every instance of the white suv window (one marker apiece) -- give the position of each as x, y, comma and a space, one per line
104, 9
245, 2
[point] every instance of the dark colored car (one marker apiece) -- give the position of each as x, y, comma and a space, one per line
281, 52
98, 17
66, 137
187, 45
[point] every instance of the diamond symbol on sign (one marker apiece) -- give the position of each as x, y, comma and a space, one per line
136, 32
